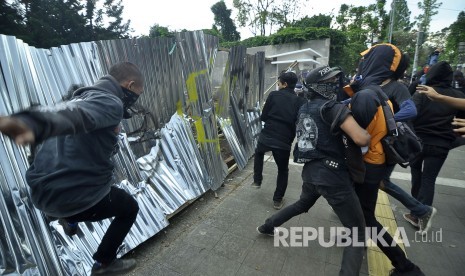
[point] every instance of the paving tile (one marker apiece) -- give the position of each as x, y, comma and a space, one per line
154, 269
214, 265
184, 257
233, 247
302, 265
248, 271
204, 236
264, 257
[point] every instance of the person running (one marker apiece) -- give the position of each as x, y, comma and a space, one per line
279, 114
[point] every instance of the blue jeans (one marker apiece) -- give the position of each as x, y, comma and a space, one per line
425, 169
281, 157
416, 207
345, 204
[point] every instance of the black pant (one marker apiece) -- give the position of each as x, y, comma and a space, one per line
425, 169
345, 204
367, 193
281, 158
120, 205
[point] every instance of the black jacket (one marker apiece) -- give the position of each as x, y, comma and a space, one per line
280, 116
72, 169
433, 122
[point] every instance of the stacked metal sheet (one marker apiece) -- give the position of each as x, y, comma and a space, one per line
239, 97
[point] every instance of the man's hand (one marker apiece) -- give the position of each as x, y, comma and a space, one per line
461, 124
16, 130
428, 91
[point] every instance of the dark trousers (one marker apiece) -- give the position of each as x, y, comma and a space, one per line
345, 204
120, 205
425, 169
281, 158
367, 193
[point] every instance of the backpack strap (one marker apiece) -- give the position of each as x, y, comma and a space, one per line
388, 115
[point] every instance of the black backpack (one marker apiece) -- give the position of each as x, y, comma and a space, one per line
401, 145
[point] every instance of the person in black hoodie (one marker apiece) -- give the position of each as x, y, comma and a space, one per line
433, 126
279, 114
378, 64
70, 177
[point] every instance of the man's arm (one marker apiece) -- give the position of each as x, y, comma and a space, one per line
39, 123
429, 91
359, 135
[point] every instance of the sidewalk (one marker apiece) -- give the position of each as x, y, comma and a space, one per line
217, 236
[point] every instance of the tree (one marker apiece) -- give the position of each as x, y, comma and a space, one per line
430, 9
160, 31
263, 16
223, 22
317, 21
456, 35
11, 20
402, 16
106, 22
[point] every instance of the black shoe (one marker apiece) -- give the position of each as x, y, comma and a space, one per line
262, 230
278, 204
256, 185
115, 267
426, 221
413, 272
69, 227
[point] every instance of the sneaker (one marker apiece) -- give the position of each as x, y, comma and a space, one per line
116, 267
262, 230
70, 228
416, 271
412, 219
425, 222
256, 185
278, 204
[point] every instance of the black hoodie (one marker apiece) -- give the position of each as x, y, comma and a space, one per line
433, 122
72, 169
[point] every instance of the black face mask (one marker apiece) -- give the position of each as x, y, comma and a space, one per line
129, 98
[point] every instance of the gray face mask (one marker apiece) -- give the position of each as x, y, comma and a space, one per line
327, 90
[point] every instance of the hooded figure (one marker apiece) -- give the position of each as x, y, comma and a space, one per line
378, 63
433, 126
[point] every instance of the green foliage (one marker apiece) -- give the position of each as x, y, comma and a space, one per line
429, 9
49, 23
317, 21
456, 35
223, 23
160, 31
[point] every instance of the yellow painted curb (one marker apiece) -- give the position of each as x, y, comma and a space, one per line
378, 263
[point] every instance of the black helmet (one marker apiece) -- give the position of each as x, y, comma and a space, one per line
316, 77
322, 73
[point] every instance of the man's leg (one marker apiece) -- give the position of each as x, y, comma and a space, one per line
308, 197
124, 208
368, 195
416, 167
416, 208
347, 207
434, 158
281, 158
258, 163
